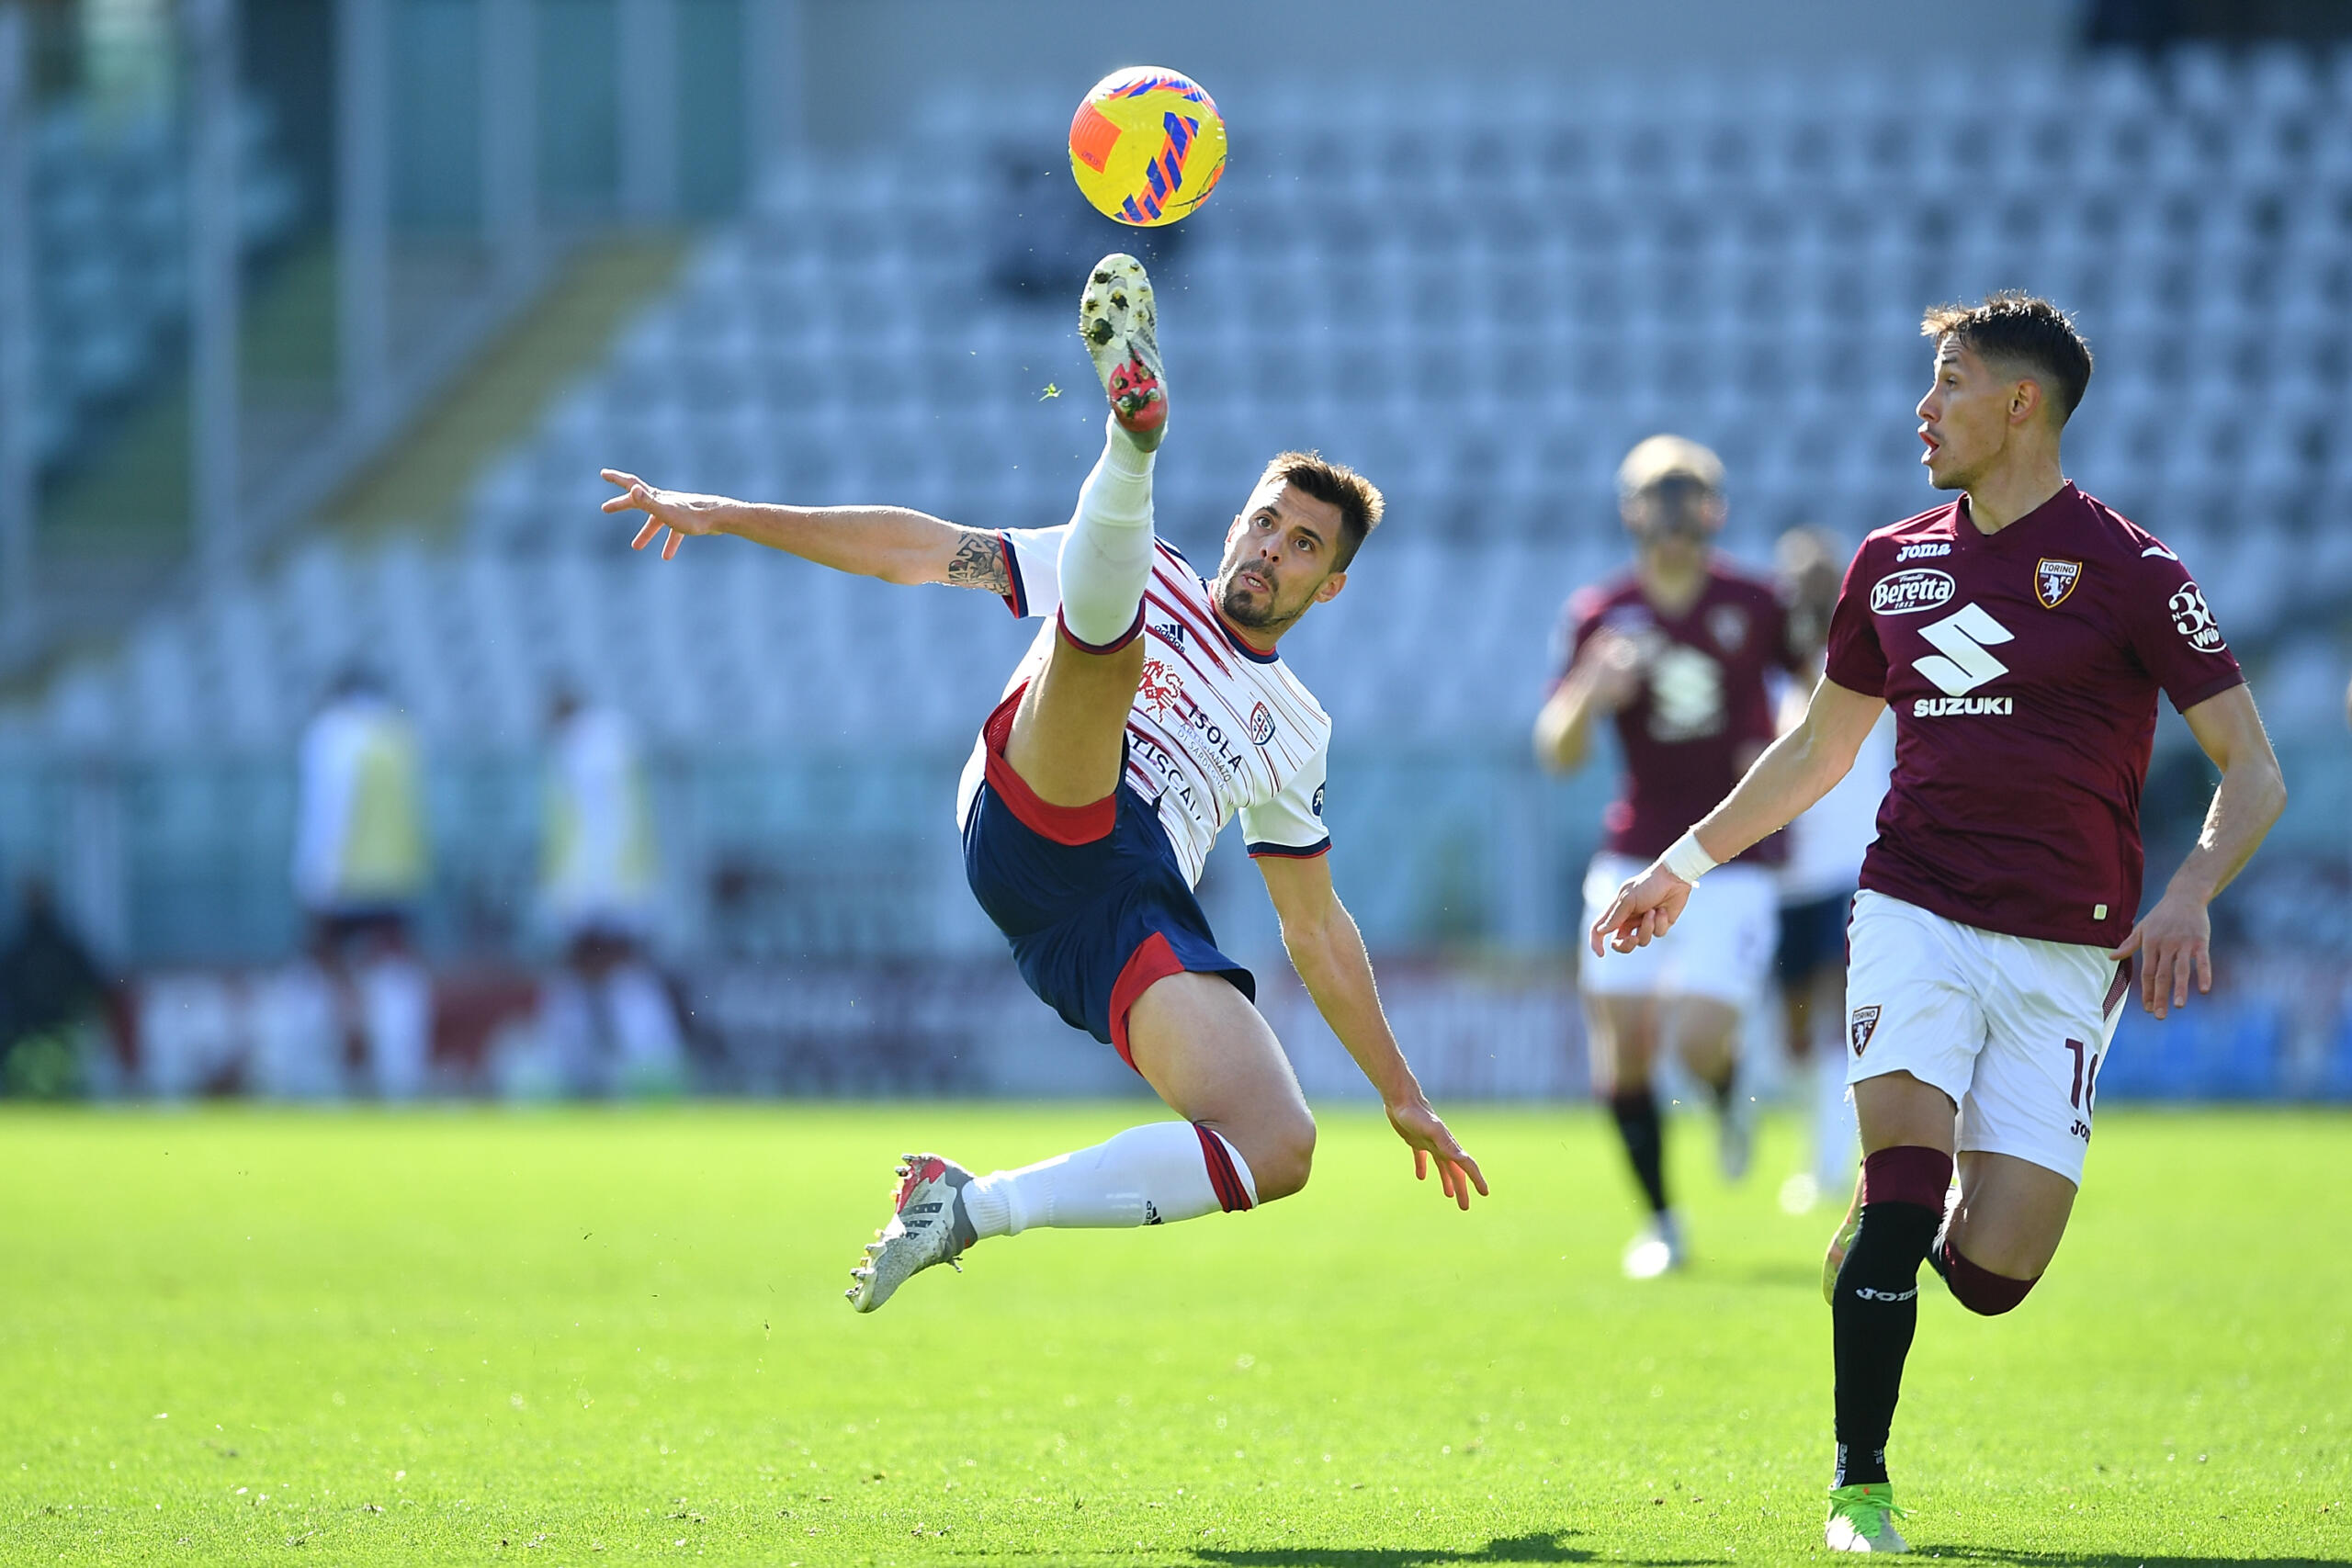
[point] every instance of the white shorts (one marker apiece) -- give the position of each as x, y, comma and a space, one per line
2012, 1029
1721, 948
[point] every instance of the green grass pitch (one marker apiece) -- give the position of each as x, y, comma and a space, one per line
586, 1336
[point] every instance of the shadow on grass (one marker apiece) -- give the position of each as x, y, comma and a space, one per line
1515, 1549
2108, 1559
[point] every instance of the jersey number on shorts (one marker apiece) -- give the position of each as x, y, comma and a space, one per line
2085, 1090
1962, 665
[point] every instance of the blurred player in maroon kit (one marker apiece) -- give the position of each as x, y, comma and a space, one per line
2022, 635
1675, 653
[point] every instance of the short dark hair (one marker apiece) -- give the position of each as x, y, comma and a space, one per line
1335, 484
2023, 329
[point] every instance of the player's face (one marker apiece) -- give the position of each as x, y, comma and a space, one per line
1969, 416
1278, 558
1677, 517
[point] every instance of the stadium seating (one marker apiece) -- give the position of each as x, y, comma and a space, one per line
1483, 306
109, 208
1487, 306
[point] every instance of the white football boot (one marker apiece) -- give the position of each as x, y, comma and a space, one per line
1861, 1518
1735, 1135
1121, 326
1658, 1250
928, 1225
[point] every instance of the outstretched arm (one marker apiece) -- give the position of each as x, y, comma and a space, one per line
888, 542
1327, 951
1794, 770
2175, 941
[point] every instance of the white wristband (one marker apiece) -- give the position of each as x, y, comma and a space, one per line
1686, 859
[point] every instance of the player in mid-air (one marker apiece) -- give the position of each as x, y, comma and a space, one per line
1151, 709
1675, 654
2022, 634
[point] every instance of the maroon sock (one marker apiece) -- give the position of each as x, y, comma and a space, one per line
1979, 1289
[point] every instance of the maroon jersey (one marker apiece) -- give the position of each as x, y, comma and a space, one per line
2022, 666
1702, 712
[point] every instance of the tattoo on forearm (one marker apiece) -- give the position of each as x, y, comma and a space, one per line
978, 562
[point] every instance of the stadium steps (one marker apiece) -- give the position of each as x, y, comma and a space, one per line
421, 482
114, 530
115, 533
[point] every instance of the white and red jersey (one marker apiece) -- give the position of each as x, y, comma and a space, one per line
1219, 729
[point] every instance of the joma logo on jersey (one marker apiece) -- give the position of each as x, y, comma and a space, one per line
1261, 724
1861, 1027
1921, 552
1921, 588
1944, 707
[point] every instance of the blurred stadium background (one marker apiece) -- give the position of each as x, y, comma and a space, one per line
317, 318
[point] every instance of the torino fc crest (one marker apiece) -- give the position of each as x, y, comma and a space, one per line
1861, 1027
2054, 580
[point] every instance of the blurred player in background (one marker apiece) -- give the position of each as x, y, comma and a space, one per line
1817, 884
1151, 709
1675, 654
606, 1015
359, 872
2020, 634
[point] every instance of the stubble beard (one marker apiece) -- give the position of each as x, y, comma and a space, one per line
1232, 599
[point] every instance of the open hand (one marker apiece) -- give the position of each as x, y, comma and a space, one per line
2176, 945
678, 511
1419, 1127
1612, 665
1645, 909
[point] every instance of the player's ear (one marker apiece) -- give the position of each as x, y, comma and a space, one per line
2025, 400
1329, 587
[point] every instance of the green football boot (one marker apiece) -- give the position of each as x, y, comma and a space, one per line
1861, 1518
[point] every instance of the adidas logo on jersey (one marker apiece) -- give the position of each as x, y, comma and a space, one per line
1941, 708
1170, 632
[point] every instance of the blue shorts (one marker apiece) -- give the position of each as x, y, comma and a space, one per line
1813, 938
1089, 896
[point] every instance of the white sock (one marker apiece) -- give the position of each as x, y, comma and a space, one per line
1837, 1140
1150, 1175
1106, 555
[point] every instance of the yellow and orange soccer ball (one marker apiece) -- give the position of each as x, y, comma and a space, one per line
1147, 146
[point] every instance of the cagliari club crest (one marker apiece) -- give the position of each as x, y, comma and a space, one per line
2054, 580
1861, 1027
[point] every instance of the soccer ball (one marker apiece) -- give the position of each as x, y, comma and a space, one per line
1147, 146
